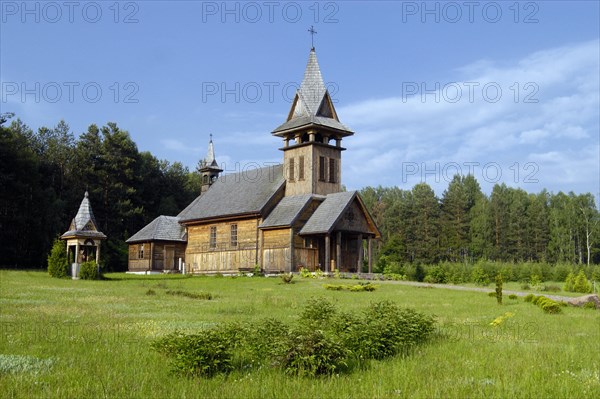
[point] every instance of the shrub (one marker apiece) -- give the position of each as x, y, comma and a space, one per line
311, 353
436, 275
569, 282
535, 282
513, 296
287, 278
194, 295
499, 288
305, 273
57, 260
582, 284
203, 354
491, 294
589, 305
551, 288
561, 271
529, 298
479, 277
546, 304
88, 271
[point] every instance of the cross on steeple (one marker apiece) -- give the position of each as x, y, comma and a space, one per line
312, 32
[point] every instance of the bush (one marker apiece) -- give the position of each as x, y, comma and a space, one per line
194, 295
479, 277
491, 294
582, 284
546, 304
529, 298
203, 354
311, 353
499, 288
513, 296
578, 283
551, 288
436, 275
57, 260
287, 278
535, 281
323, 342
88, 271
589, 305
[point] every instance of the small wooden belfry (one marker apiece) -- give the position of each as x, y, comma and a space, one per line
83, 238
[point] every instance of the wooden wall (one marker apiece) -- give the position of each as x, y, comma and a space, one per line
166, 256
224, 258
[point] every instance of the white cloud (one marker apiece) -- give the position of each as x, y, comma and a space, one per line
548, 113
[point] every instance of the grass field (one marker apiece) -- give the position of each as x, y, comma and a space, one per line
75, 339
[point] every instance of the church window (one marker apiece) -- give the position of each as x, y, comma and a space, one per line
141, 252
332, 171
234, 235
291, 169
301, 168
213, 237
321, 168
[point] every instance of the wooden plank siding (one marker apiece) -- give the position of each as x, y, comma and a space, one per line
224, 257
276, 254
165, 256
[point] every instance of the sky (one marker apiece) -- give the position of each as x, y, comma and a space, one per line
507, 91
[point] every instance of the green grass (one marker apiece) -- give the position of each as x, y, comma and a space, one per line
64, 338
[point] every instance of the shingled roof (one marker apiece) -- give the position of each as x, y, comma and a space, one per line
287, 211
163, 228
84, 224
312, 103
244, 193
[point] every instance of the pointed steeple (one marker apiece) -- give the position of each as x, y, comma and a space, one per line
84, 224
312, 103
208, 167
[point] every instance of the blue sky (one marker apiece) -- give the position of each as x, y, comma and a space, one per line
508, 91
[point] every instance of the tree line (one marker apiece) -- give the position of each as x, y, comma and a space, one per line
45, 173
466, 225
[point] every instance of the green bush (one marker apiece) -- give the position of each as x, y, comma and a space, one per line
479, 277
204, 354
513, 296
57, 260
287, 278
525, 286
547, 305
491, 294
499, 288
578, 283
582, 284
551, 288
529, 298
535, 281
88, 271
436, 275
311, 352
193, 295
589, 305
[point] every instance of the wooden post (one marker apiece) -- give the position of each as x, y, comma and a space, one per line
151, 256
77, 252
327, 252
290, 264
360, 254
98, 253
370, 253
338, 250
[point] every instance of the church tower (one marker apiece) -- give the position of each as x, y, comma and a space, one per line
312, 138
208, 168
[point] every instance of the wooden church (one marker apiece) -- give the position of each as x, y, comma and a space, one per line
281, 218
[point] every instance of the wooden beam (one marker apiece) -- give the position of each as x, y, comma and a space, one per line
360, 254
327, 252
370, 253
338, 250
